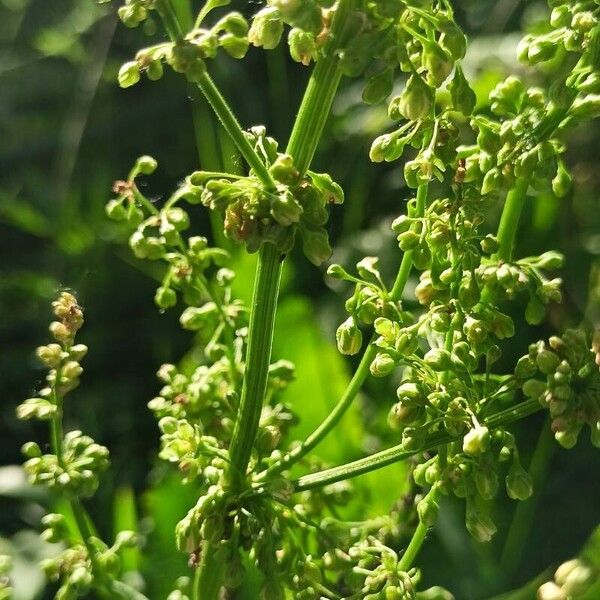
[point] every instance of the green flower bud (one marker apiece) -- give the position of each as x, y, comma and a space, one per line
561, 184
415, 102
338, 272
31, 450
583, 21
71, 370
526, 368
383, 364
194, 318
266, 29
236, 47
453, 40
507, 96
428, 510
408, 240
550, 260
463, 97
480, 525
116, 211
412, 439
560, 16
591, 83
535, 311
492, 182
132, 15
285, 209
303, 46
349, 337
489, 244
435, 593
234, 23
550, 591
534, 388
486, 482
36, 408
575, 577
315, 244
50, 355
304, 14
421, 257
402, 415
409, 393
536, 50
129, 74
476, 441
146, 165
332, 191
568, 437
586, 107
154, 71
475, 330
547, 361
519, 485
379, 87
177, 217
438, 62
165, 297
438, 359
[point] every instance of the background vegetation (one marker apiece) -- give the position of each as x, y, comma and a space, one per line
67, 131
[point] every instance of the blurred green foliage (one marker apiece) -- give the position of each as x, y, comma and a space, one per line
67, 131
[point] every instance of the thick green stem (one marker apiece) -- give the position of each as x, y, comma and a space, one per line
258, 358
319, 96
509, 222
361, 373
207, 581
398, 453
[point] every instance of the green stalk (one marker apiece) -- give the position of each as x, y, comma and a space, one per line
104, 585
234, 129
319, 96
258, 358
304, 139
207, 580
209, 154
217, 101
509, 222
398, 453
417, 540
361, 373
522, 519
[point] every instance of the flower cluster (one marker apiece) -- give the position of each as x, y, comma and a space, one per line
518, 142
75, 469
572, 580
74, 568
309, 23
72, 468
563, 375
255, 215
371, 301
187, 55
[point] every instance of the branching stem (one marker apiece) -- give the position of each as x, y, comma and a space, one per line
361, 372
398, 453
